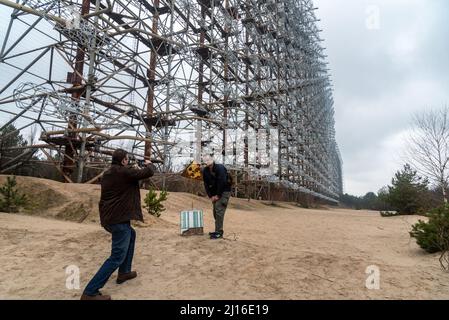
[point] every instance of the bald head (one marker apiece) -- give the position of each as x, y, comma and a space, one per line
208, 160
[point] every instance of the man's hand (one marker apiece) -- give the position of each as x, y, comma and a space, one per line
215, 198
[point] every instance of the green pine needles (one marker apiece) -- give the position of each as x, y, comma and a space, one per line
153, 202
10, 198
433, 236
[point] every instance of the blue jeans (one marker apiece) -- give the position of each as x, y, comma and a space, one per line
123, 240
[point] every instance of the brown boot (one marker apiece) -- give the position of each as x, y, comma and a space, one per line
126, 276
97, 297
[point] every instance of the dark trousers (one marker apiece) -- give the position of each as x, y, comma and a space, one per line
123, 240
219, 211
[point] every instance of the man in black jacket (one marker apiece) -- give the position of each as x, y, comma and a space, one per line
215, 177
119, 204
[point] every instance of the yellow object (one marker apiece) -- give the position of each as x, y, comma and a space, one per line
193, 171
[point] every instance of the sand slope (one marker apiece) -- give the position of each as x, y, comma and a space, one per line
282, 252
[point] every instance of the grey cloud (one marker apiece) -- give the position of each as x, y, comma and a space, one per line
381, 77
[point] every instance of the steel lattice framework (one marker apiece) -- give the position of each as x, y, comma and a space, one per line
244, 80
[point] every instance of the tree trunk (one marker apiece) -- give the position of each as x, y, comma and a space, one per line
444, 193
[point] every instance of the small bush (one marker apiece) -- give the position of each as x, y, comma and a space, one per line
433, 236
153, 203
11, 200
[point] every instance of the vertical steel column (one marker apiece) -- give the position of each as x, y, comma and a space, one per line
77, 79
198, 133
89, 85
151, 73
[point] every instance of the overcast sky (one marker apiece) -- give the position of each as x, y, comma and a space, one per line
388, 60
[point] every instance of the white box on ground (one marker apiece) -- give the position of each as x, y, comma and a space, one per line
191, 222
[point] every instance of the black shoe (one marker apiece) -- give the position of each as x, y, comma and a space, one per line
126, 276
212, 233
216, 235
99, 296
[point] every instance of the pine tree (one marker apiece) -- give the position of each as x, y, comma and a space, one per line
408, 192
9, 138
11, 200
433, 236
153, 203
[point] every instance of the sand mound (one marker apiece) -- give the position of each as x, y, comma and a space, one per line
62, 201
48, 198
79, 202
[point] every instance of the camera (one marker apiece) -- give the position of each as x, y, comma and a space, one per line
140, 163
136, 163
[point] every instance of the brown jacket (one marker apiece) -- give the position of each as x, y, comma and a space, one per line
120, 194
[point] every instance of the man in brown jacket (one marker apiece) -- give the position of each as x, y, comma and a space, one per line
119, 204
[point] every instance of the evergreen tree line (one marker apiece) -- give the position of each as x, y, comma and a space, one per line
408, 194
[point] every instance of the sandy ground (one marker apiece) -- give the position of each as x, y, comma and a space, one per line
281, 252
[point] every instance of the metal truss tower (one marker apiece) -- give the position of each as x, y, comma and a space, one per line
243, 80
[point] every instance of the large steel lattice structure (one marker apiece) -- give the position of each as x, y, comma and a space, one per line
244, 80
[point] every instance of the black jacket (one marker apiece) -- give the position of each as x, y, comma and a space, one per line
120, 194
216, 182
